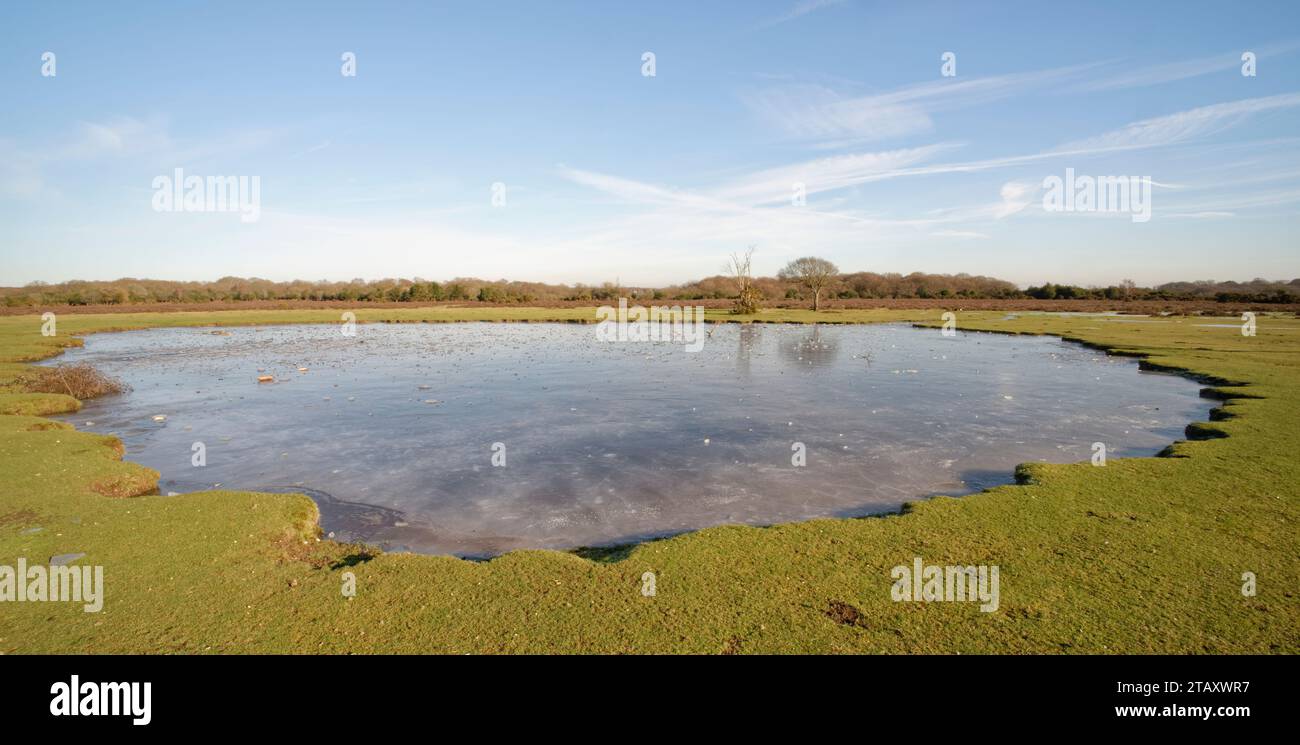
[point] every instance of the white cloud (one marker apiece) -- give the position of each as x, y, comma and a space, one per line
30, 170
1016, 196
680, 225
816, 113
755, 207
118, 136
1182, 126
1199, 215
1141, 77
822, 175
1173, 129
800, 9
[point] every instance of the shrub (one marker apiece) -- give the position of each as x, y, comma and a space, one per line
81, 381
748, 302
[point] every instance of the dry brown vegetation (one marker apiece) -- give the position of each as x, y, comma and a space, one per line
80, 380
136, 483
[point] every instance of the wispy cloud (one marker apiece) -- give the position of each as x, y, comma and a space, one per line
765, 186
26, 168
772, 185
800, 9
1183, 126
1141, 77
1172, 129
822, 175
1208, 215
817, 113
1222, 203
756, 206
148, 138
637, 192
820, 114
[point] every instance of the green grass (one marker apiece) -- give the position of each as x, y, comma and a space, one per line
1144, 555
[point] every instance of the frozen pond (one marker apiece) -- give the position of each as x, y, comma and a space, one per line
394, 430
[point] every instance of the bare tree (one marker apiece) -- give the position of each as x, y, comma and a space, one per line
1126, 287
812, 273
748, 297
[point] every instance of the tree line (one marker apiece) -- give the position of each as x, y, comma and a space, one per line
791, 284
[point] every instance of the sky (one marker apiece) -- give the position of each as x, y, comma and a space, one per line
527, 141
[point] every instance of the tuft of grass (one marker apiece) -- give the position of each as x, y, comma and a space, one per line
132, 484
81, 381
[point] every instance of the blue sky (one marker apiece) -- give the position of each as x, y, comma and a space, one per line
652, 180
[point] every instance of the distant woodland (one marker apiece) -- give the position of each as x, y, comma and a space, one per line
864, 285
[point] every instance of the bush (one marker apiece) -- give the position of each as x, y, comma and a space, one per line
81, 381
748, 302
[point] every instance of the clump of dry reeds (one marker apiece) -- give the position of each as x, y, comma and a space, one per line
79, 380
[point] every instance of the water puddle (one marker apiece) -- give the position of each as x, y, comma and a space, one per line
393, 432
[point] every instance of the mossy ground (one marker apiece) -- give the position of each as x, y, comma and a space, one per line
1144, 555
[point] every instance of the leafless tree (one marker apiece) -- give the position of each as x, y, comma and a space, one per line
812, 273
748, 297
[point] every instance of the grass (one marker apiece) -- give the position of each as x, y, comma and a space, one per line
1142, 556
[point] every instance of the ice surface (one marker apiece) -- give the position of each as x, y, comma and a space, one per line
392, 430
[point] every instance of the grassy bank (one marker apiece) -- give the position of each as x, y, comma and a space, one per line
1144, 555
